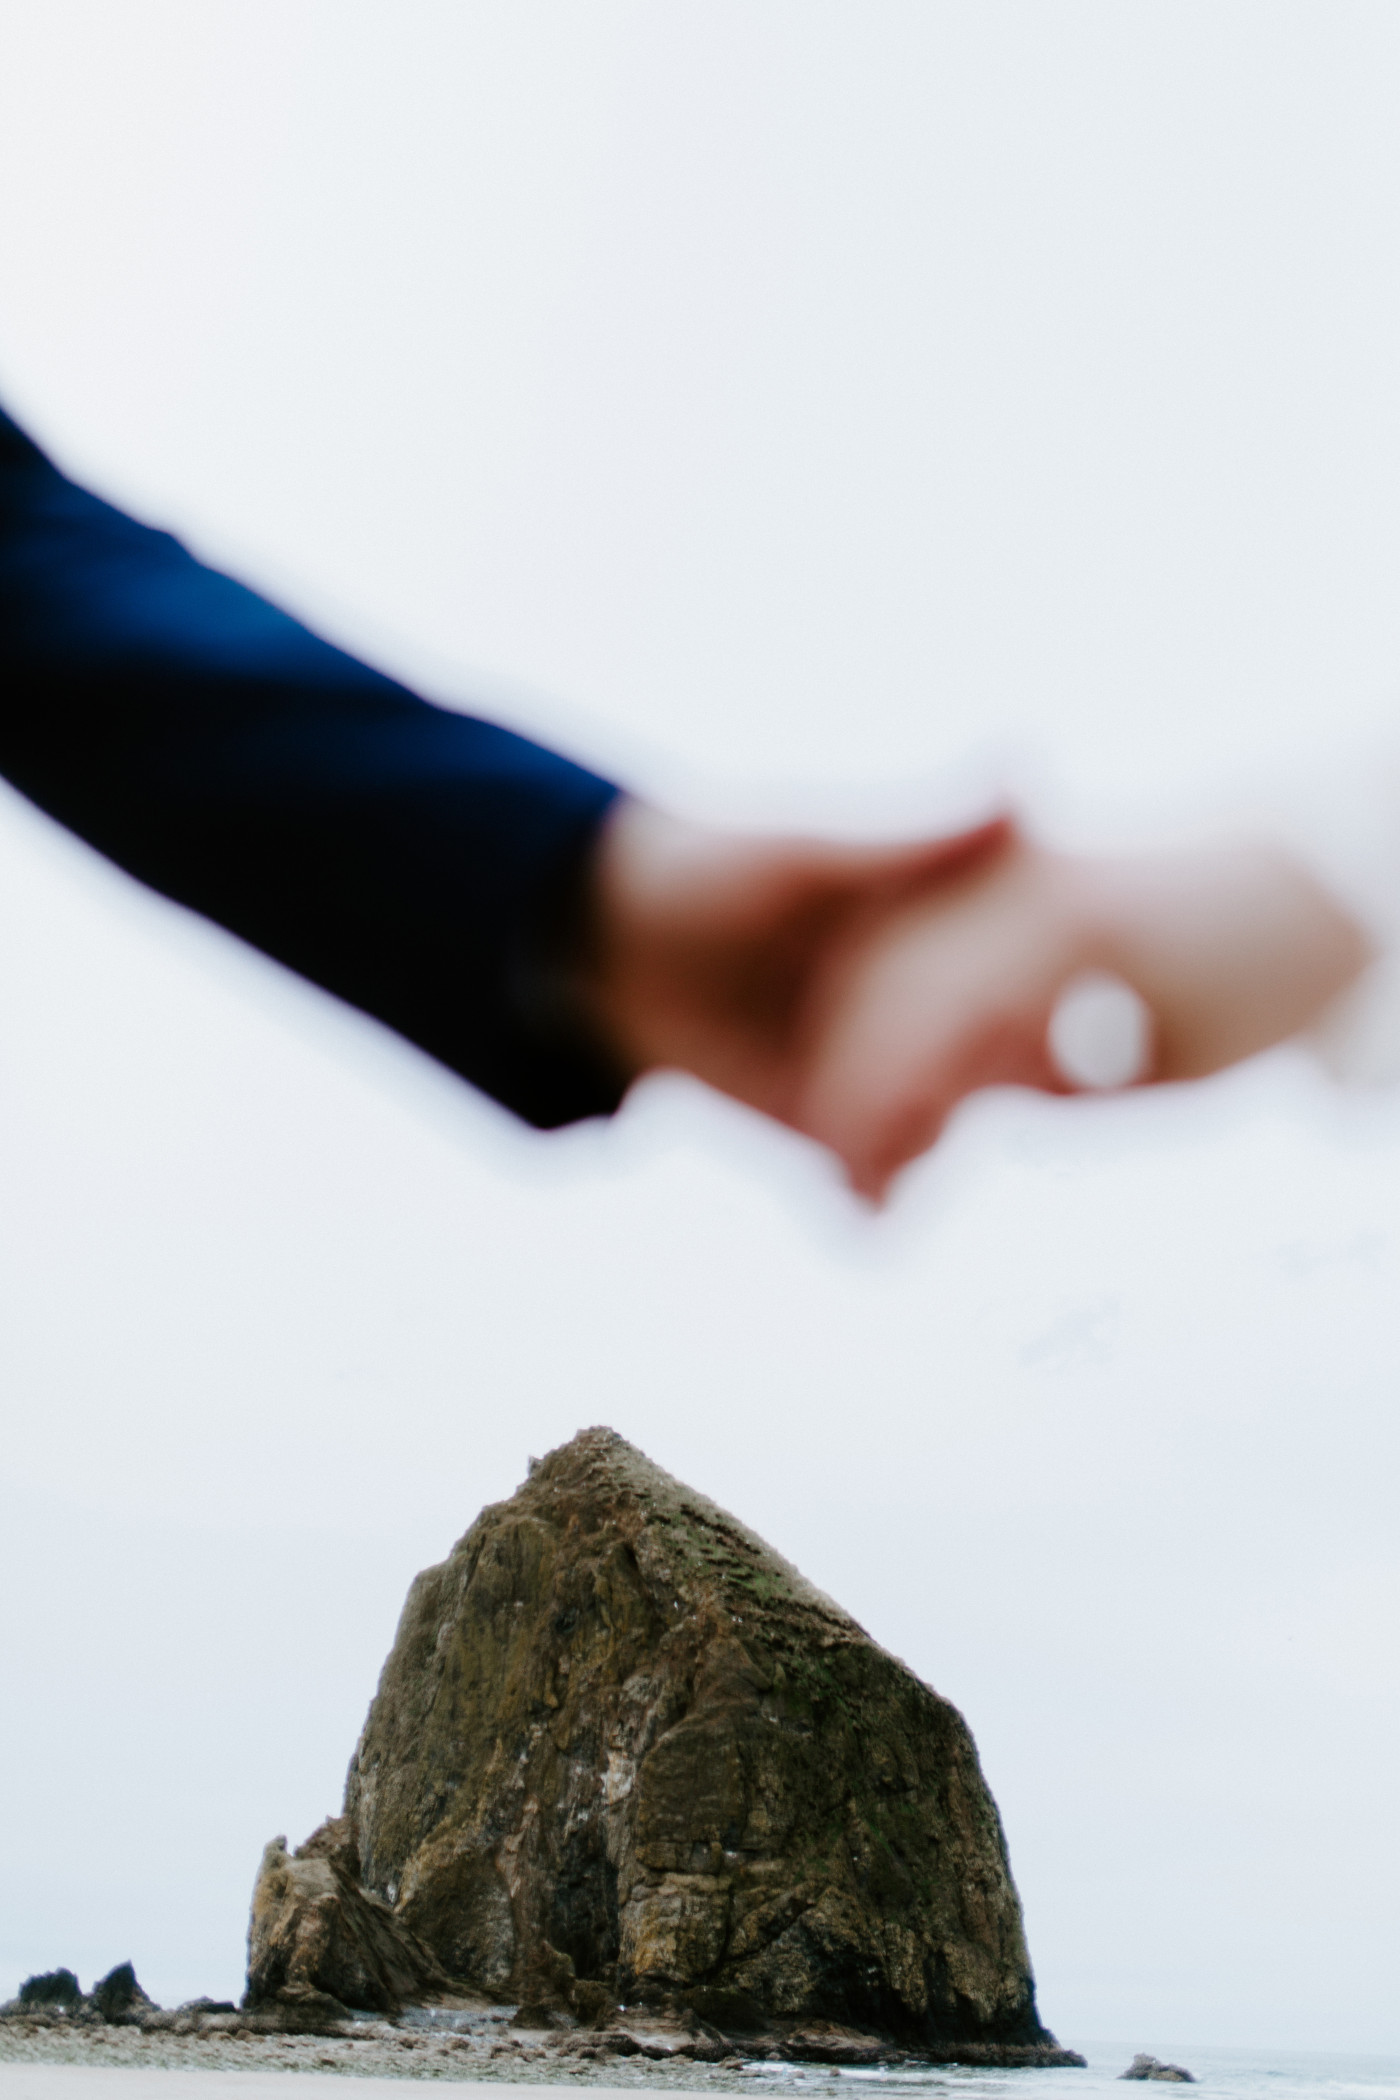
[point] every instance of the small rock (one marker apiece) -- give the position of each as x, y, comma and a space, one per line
664, 2036
299, 2008
824, 2042
119, 1998
55, 1987
618, 2042
1143, 2066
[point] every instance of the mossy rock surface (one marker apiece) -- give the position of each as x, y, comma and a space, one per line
618, 1738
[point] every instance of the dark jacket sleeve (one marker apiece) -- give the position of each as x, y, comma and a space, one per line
416, 862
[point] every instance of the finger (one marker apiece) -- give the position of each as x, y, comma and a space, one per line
1098, 1037
910, 865
877, 1131
933, 1001
922, 1019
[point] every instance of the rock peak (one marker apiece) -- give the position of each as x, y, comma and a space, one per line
705, 1550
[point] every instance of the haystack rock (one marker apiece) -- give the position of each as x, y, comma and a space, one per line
622, 1752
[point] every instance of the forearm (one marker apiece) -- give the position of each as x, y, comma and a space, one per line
409, 859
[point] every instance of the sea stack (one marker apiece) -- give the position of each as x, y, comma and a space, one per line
622, 1751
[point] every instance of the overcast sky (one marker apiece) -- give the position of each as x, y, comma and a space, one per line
788, 405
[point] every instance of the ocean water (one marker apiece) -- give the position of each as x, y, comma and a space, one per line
1221, 2074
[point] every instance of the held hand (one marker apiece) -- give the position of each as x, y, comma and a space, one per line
1231, 950
708, 947
859, 993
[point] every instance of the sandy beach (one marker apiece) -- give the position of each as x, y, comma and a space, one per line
34, 2080
109, 2063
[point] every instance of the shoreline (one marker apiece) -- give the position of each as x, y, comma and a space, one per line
495, 2051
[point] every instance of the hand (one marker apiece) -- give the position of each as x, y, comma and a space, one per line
1231, 949
859, 993
708, 948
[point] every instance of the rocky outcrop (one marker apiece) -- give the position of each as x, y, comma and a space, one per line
116, 2001
119, 1998
319, 1943
59, 1987
621, 1752
1148, 2067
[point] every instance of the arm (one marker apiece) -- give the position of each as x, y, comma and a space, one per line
549, 939
509, 912
415, 862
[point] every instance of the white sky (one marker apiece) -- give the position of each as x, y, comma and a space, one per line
783, 403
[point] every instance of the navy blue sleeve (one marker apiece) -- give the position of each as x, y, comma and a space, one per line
416, 862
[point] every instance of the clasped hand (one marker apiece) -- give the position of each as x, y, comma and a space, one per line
858, 993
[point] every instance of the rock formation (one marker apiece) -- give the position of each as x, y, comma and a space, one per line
117, 2000
54, 1987
622, 1752
319, 1942
1143, 2066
